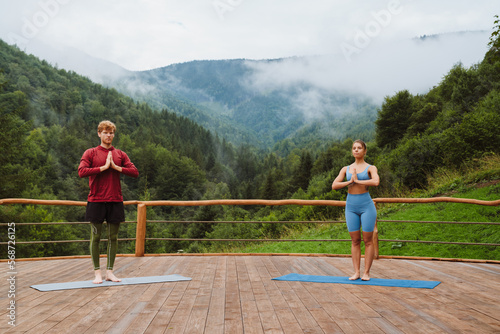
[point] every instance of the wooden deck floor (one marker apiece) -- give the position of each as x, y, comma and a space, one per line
235, 294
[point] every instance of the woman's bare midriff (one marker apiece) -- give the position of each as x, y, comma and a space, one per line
356, 189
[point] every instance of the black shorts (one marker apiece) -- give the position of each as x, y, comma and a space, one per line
111, 212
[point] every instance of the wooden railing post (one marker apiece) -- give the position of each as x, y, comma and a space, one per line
375, 239
140, 235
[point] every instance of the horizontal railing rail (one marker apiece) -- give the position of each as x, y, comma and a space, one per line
142, 221
60, 241
436, 222
256, 201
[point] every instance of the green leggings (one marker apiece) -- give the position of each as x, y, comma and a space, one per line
95, 238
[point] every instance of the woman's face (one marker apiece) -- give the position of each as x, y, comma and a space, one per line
358, 151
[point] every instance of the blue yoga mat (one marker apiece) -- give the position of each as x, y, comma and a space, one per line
373, 281
125, 281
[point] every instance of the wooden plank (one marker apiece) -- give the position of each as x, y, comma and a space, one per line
473, 291
266, 312
404, 315
164, 315
53, 320
215, 319
169, 300
250, 313
233, 318
59, 304
198, 317
128, 316
154, 297
385, 325
328, 266
181, 314
426, 319
446, 316
87, 301
104, 316
144, 318
185, 306
287, 319
292, 292
327, 324
362, 310
39, 312
456, 302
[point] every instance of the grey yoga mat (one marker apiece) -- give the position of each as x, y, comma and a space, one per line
125, 281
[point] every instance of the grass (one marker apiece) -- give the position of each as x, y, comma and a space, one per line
455, 212
479, 181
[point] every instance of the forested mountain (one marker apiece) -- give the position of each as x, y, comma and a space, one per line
218, 95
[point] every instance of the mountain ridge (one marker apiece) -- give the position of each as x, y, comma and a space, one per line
263, 102
220, 91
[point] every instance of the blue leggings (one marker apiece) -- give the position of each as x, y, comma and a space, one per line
360, 212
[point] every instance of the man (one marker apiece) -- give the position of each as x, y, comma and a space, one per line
103, 165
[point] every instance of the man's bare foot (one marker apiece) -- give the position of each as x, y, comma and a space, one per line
98, 277
111, 277
354, 277
366, 277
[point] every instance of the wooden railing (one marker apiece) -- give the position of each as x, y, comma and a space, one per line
142, 221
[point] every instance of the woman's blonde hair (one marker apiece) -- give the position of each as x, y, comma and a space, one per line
106, 125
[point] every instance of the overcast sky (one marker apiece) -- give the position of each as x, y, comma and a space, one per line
145, 34
364, 45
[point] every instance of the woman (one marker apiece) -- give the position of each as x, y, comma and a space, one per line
360, 210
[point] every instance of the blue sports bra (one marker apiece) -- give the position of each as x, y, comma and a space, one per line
361, 176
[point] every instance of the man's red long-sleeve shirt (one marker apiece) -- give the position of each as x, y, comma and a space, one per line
105, 186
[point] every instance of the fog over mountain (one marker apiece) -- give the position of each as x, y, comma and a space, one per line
330, 96
375, 70
378, 70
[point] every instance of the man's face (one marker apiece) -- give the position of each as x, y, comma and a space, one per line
106, 136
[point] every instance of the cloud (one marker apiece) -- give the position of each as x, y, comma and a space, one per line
145, 34
377, 70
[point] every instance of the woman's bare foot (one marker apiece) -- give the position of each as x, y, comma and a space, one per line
354, 277
98, 277
366, 277
111, 277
